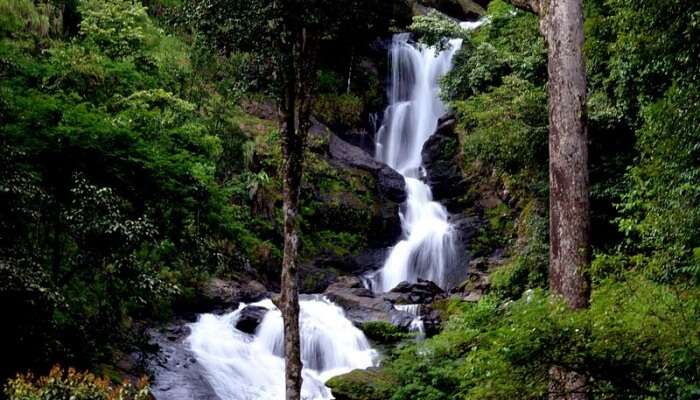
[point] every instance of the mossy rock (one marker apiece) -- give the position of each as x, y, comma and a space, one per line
383, 332
367, 384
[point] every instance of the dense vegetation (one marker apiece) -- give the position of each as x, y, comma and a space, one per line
132, 171
136, 163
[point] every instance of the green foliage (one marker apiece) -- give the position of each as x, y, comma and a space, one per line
117, 27
70, 384
506, 128
660, 211
633, 343
527, 269
435, 29
111, 207
341, 111
508, 43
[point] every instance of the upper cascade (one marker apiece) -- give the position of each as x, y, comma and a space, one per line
428, 248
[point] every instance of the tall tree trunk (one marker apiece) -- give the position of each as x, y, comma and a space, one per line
292, 150
569, 220
561, 23
296, 115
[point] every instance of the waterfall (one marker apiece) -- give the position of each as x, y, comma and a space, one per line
242, 366
427, 249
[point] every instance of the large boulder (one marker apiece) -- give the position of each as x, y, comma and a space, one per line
363, 384
220, 295
421, 292
442, 166
250, 318
362, 306
390, 183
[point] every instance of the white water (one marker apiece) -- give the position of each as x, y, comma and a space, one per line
240, 366
427, 250
417, 324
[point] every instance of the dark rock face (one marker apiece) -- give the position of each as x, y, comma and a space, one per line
177, 374
250, 318
421, 292
478, 283
390, 183
443, 173
432, 323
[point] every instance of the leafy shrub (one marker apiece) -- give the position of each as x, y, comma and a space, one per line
119, 27
343, 110
638, 340
660, 212
70, 384
506, 128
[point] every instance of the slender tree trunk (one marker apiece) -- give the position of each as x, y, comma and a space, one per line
292, 151
569, 221
296, 114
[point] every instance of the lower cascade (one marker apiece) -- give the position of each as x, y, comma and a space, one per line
427, 250
242, 366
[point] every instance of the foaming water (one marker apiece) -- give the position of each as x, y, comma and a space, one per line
417, 325
427, 250
241, 366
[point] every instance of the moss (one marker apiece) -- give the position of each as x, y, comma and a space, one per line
369, 384
383, 332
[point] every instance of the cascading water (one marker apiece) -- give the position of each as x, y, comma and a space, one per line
417, 324
241, 366
427, 250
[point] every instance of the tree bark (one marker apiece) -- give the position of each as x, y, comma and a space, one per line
569, 225
569, 220
292, 151
299, 71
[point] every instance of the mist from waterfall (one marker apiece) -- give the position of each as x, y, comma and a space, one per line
427, 249
241, 366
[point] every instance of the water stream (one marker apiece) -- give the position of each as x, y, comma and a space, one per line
242, 366
427, 249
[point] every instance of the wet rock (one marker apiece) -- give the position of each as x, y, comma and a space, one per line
361, 138
176, 374
250, 318
316, 275
421, 292
390, 183
361, 305
218, 294
432, 323
440, 160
